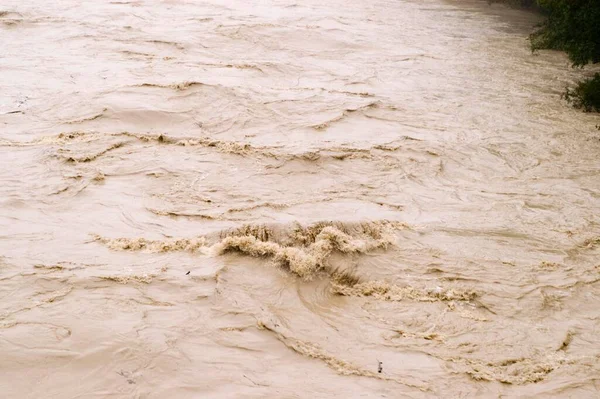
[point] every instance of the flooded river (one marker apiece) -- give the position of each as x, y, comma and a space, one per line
293, 199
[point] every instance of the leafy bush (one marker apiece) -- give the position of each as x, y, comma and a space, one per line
586, 95
572, 26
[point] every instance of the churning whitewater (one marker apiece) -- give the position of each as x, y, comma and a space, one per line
293, 199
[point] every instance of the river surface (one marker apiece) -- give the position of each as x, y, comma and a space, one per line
293, 199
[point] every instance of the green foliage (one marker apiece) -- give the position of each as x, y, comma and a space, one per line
586, 95
572, 26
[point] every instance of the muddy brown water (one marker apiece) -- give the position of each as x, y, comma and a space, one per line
350, 184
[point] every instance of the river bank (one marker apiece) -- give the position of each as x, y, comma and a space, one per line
571, 27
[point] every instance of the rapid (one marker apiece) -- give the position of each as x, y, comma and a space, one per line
293, 199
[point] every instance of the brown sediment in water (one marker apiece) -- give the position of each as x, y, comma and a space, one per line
389, 292
91, 157
302, 250
513, 371
139, 244
313, 351
228, 147
248, 181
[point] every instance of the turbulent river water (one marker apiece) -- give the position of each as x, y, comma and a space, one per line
293, 199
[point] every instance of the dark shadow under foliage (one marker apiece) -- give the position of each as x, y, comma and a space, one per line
518, 3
